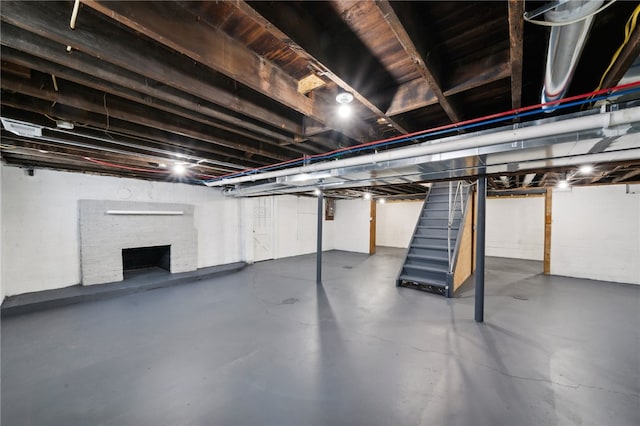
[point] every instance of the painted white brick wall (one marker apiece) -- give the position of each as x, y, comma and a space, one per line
41, 233
595, 234
515, 228
351, 225
296, 226
395, 223
103, 236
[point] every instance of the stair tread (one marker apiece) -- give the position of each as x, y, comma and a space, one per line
427, 236
428, 246
435, 283
426, 268
426, 257
435, 227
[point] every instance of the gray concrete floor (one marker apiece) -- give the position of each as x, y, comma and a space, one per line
266, 346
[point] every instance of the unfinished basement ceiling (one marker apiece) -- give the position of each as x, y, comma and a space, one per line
225, 86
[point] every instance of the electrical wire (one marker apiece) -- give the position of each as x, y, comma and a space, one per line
449, 128
574, 21
629, 27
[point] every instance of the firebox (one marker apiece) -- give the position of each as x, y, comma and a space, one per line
146, 257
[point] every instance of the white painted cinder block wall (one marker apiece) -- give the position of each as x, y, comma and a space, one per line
395, 223
296, 226
40, 232
596, 234
351, 225
515, 228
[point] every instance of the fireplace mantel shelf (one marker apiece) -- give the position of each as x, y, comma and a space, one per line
144, 212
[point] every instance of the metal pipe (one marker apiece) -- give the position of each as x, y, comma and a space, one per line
449, 221
565, 46
602, 120
480, 243
319, 242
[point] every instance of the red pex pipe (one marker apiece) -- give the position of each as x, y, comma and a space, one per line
444, 127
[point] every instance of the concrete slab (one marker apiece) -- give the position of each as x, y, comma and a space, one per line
266, 346
135, 281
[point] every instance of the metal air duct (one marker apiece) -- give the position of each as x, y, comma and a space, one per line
565, 44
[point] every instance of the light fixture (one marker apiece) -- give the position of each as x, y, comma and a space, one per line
179, 169
162, 165
563, 184
382, 200
586, 169
344, 111
344, 98
317, 191
64, 125
44, 151
366, 196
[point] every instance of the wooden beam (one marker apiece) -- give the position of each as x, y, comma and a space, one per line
516, 21
423, 68
480, 73
547, 230
543, 181
15, 106
125, 93
14, 68
410, 96
625, 59
34, 149
627, 175
604, 174
320, 67
417, 94
176, 28
114, 107
129, 53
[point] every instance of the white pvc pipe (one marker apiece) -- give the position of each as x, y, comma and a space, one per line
603, 120
74, 15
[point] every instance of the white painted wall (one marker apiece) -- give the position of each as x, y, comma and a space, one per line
351, 225
40, 237
515, 228
395, 222
296, 226
596, 234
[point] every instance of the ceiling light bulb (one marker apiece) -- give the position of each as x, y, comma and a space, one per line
344, 110
586, 169
317, 191
563, 184
179, 169
367, 196
382, 200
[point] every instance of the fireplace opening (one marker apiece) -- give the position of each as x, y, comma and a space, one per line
146, 257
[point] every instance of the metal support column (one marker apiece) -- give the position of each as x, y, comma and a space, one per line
319, 236
480, 245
